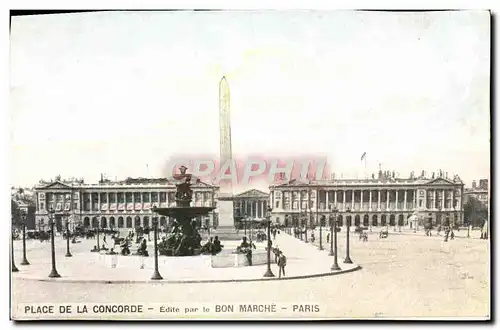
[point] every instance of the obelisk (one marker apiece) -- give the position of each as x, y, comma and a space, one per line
225, 200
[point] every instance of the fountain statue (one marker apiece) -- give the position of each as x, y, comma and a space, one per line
184, 239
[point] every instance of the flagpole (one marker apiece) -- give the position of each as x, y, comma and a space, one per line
365, 168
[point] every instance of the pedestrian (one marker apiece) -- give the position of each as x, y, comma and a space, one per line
281, 263
328, 238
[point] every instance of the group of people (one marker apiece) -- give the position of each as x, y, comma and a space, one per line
213, 246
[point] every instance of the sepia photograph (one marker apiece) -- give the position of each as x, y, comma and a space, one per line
250, 165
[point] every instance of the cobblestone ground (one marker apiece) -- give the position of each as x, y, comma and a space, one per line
402, 276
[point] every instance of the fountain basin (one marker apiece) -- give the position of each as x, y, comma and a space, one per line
221, 260
229, 260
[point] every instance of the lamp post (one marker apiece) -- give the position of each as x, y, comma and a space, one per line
320, 234
53, 272
335, 265
305, 228
25, 260
156, 274
98, 225
332, 232
13, 267
68, 253
347, 256
268, 272
245, 224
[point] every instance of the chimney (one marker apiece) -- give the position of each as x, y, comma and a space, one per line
474, 186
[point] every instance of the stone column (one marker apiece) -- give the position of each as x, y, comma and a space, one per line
444, 199
326, 199
334, 199
361, 199
370, 204
378, 201
344, 200
98, 205
388, 197
415, 199
352, 200
452, 206
434, 199
397, 200
406, 196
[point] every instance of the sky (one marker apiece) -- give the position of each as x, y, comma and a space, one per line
121, 93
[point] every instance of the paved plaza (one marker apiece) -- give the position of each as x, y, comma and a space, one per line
85, 266
405, 275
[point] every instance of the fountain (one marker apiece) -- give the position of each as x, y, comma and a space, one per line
184, 239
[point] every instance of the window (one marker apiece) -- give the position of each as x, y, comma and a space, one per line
42, 206
277, 204
104, 198
75, 206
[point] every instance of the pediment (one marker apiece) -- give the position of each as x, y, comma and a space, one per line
253, 193
57, 185
440, 181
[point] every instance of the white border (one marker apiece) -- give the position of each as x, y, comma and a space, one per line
493, 5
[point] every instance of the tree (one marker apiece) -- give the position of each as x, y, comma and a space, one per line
15, 213
475, 212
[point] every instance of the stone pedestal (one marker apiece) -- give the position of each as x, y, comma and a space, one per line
225, 215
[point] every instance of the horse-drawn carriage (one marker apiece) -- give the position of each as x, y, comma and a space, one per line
384, 233
361, 231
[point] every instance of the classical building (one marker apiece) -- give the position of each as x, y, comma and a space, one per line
381, 201
23, 202
113, 204
250, 204
479, 192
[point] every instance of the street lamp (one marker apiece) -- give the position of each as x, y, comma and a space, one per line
320, 233
333, 230
98, 246
305, 226
68, 253
245, 223
335, 265
268, 272
156, 274
25, 260
13, 267
347, 257
53, 272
